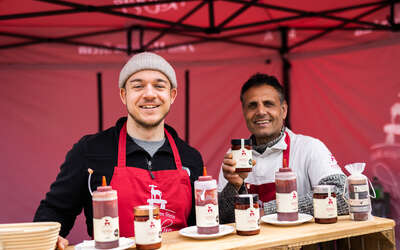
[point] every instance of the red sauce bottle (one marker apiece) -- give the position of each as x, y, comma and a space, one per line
105, 218
206, 195
287, 202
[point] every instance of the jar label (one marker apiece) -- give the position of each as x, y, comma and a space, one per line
106, 229
147, 232
243, 158
325, 208
287, 202
247, 219
360, 188
359, 202
207, 216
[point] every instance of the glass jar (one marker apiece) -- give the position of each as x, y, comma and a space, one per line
206, 199
359, 200
287, 203
147, 225
325, 205
242, 154
105, 218
247, 214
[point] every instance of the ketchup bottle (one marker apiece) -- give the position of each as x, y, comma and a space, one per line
206, 196
105, 217
287, 202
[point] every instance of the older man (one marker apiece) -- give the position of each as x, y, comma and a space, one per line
265, 109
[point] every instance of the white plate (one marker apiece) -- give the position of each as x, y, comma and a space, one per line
192, 232
273, 219
124, 243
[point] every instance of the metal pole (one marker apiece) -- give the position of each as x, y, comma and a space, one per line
285, 70
100, 100
187, 105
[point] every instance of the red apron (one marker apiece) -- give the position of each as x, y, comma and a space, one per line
170, 190
266, 192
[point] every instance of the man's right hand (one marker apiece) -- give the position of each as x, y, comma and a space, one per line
62, 243
228, 168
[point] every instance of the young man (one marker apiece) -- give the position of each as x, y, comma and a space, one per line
265, 109
141, 157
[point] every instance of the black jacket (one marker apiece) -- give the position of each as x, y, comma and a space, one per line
69, 193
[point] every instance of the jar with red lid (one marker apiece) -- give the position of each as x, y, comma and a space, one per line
247, 214
147, 225
206, 199
105, 218
242, 154
325, 205
287, 203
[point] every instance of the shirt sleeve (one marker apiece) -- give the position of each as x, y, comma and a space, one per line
64, 201
321, 162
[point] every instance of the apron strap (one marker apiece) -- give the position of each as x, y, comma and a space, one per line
286, 152
122, 147
174, 150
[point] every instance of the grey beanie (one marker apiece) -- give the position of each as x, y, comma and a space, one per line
147, 60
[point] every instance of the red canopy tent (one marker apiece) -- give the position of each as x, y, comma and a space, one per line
60, 62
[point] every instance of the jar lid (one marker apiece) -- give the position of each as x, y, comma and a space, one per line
239, 142
143, 210
324, 189
244, 199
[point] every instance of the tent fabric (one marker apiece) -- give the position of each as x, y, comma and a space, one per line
344, 85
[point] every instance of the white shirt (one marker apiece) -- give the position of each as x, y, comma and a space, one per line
309, 158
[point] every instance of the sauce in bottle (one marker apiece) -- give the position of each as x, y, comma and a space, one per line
105, 217
206, 196
287, 203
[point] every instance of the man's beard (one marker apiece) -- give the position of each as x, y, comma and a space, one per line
147, 125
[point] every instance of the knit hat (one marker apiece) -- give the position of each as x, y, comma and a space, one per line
143, 61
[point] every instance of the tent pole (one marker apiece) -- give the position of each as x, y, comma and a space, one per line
187, 105
285, 70
100, 100
129, 41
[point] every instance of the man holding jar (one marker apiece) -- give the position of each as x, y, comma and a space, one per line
264, 108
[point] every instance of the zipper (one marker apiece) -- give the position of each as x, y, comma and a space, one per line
149, 168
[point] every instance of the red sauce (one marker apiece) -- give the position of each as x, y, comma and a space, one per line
286, 186
245, 207
236, 145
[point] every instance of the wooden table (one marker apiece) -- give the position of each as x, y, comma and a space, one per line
374, 234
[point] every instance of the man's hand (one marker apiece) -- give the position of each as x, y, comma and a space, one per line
228, 168
62, 243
